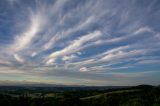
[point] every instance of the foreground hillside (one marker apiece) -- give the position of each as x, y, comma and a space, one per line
134, 96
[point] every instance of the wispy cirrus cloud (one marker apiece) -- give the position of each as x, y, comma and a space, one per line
83, 40
75, 46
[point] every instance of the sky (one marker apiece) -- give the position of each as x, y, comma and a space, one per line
80, 42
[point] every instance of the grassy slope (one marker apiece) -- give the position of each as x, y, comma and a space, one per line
110, 93
132, 97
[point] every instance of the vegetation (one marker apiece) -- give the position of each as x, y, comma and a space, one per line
134, 96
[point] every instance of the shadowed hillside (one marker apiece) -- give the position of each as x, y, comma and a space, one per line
129, 96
